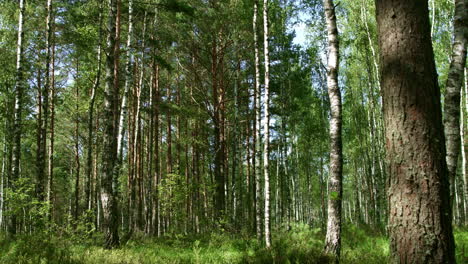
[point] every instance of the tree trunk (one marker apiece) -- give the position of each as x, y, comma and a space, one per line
128, 82
420, 225
157, 175
452, 91
89, 160
17, 126
266, 129
50, 167
108, 200
217, 123
256, 133
42, 147
335, 189
77, 158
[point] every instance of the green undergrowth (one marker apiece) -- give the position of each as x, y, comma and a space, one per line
300, 244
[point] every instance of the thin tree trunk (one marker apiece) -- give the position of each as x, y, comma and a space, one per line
157, 169
89, 160
128, 82
50, 168
335, 189
452, 92
38, 131
2, 182
76, 211
266, 128
420, 215
42, 147
17, 126
463, 152
256, 133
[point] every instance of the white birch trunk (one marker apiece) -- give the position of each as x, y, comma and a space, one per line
266, 128
257, 125
452, 93
128, 81
333, 237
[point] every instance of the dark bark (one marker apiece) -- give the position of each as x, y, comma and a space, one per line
76, 210
108, 199
89, 163
420, 215
17, 119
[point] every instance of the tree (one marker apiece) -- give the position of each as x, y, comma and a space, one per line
420, 214
266, 128
453, 89
19, 90
256, 128
335, 189
109, 159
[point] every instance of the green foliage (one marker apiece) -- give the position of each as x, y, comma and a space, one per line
23, 200
300, 244
364, 246
461, 241
39, 248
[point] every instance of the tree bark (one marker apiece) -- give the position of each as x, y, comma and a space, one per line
128, 82
452, 91
256, 133
76, 210
420, 215
266, 129
42, 146
17, 126
89, 160
50, 166
108, 199
335, 189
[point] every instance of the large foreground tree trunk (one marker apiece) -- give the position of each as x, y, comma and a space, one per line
335, 189
109, 158
420, 214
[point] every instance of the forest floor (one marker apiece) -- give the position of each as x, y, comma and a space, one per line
299, 245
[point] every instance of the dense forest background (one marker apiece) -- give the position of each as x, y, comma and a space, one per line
161, 123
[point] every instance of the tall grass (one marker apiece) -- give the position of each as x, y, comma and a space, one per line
300, 244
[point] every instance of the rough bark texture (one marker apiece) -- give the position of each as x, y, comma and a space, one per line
335, 189
50, 157
419, 207
19, 90
220, 196
452, 91
89, 159
128, 82
266, 128
76, 208
41, 159
256, 155
108, 200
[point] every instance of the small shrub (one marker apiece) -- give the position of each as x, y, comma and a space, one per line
37, 248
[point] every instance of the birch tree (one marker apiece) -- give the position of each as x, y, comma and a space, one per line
452, 90
266, 128
335, 189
